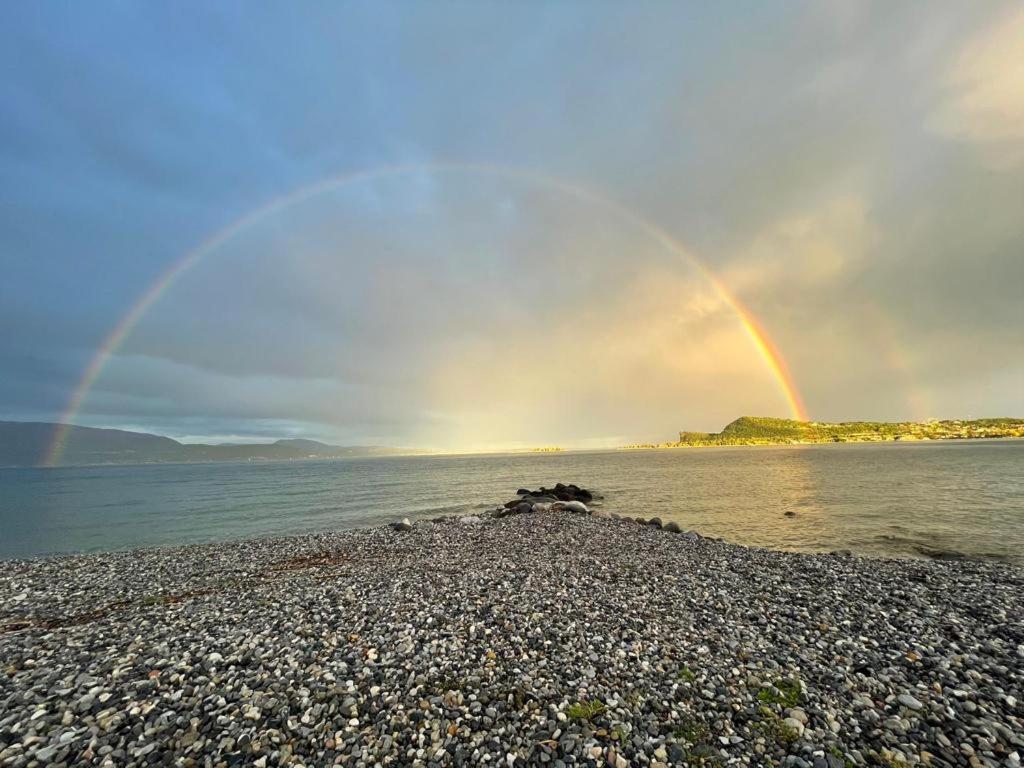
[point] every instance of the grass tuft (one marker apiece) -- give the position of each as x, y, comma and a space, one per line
785, 693
585, 710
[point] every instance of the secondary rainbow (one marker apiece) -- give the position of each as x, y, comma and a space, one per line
758, 335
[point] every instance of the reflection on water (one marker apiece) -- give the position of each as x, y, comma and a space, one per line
939, 499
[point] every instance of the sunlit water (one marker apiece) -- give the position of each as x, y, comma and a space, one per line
934, 499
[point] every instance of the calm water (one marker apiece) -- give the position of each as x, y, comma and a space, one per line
889, 499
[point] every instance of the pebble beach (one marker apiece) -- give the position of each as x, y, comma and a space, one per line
549, 637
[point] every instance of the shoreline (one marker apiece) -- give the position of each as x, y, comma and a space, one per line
544, 638
806, 443
520, 453
942, 555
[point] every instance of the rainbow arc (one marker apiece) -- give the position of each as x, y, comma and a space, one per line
758, 335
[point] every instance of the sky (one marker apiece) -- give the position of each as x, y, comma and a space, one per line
471, 226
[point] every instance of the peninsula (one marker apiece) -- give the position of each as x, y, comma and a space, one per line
762, 430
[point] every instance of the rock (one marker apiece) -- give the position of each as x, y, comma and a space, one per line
469, 519
561, 492
672, 527
403, 525
795, 725
571, 506
798, 714
655, 522
909, 701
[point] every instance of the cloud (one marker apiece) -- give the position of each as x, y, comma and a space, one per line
663, 352
985, 91
805, 250
853, 174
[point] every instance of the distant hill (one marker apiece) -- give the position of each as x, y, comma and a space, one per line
25, 444
762, 430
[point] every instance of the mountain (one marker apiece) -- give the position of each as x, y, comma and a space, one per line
27, 444
762, 430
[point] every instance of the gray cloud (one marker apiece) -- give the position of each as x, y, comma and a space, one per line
849, 171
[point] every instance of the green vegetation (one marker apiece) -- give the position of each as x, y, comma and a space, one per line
785, 693
693, 735
585, 710
774, 729
759, 430
621, 737
838, 753
686, 675
692, 731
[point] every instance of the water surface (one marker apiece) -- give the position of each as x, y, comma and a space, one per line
932, 499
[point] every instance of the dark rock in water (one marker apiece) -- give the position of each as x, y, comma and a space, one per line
561, 492
543, 499
672, 527
940, 554
655, 521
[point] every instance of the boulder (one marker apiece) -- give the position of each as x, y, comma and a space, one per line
571, 506
561, 492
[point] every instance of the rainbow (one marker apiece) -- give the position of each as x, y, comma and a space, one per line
758, 335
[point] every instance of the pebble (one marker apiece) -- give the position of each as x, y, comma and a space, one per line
909, 701
555, 639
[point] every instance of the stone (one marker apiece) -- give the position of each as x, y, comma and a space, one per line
570, 506
909, 701
795, 725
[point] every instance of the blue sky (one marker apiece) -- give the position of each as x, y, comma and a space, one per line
853, 173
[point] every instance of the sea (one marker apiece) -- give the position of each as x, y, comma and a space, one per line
950, 499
